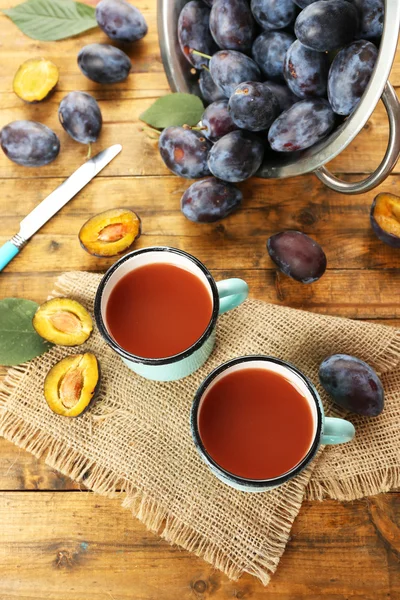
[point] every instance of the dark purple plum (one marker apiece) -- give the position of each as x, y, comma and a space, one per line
29, 143
385, 219
306, 71
301, 126
372, 14
185, 152
283, 94
273, 14
269, 51
304, 3
120, 21
217, 120
253, 106
229, 68
209, 91
297, 256
208, 2
349, 75
327, 25
232, 25
352, 384
80, 116
210, 200
103, 63
194, 32
236, 156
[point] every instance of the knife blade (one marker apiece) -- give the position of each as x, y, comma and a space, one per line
55, 201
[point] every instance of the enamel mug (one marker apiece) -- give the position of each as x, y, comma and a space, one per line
326, 430
225, 295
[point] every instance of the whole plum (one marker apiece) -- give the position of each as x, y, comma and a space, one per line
228, 68
273, 14
236, 156
120, 20
283, 94
327, 25
210, 200
372, 13
80, 116
301, 126
269, 50
209, 90
217, 120
253, 106
194, 32
185, 152
306, 71
232, 25
29, 143
297, 256
103, 63
353, 384
349, 76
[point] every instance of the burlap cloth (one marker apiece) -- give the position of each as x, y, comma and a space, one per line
135, 441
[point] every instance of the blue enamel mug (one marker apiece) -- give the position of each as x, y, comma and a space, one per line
326, 430
225, 295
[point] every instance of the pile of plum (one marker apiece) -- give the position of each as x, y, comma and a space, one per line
277, 75
32, 144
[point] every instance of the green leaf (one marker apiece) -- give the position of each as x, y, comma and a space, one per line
19, 342
174, 109
50, 20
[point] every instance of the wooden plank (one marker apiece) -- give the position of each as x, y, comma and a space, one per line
65, 546
358, 294
343, 229
20, 470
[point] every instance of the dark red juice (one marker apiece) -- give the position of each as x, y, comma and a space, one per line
256, 424
158, 310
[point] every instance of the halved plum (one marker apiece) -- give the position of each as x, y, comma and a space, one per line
71, 384
111, 232
385, 219
35, 79
63, 321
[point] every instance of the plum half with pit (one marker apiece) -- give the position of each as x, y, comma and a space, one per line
352, 384
63, 321
297, 255
385, 219
71, 384
111, 232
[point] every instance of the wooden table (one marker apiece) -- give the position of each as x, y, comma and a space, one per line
61, 542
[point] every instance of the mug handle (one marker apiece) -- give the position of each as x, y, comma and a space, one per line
337, 431
231, 292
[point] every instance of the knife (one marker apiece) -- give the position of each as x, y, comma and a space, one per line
55, 201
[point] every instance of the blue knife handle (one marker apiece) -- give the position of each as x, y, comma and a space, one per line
7, 253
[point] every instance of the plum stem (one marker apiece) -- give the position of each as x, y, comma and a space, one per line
205, 68
147, 130
194, 128
200, 54
89, 153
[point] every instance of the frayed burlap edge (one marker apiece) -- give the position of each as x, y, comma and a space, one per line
355, 487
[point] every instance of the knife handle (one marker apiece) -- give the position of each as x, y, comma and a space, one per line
7, 253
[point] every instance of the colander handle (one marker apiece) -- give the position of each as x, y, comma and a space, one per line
392, 106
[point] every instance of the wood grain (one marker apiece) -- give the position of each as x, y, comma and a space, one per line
70, 546
61, 543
